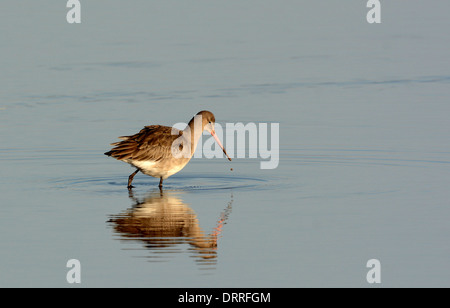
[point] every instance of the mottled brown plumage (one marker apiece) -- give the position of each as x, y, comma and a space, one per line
153, 142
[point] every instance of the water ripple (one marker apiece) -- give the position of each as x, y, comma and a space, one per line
282, 87
185, 182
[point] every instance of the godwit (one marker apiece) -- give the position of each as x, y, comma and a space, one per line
161, 151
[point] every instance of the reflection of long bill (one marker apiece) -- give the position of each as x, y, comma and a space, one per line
213, 133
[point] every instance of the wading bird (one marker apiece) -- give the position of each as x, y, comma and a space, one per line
161, 151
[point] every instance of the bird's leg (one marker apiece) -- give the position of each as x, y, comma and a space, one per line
130, 178
160, 183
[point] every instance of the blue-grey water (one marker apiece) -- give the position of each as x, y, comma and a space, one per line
364, 168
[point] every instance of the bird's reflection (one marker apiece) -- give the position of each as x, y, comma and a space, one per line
164, 223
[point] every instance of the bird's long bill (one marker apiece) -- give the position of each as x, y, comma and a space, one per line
213, 133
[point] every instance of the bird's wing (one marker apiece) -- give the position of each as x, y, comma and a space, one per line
151, 143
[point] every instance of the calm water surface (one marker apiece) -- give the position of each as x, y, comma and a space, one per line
364, 144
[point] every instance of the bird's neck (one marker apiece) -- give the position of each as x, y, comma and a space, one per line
194, 130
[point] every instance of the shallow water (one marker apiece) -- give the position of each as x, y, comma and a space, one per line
364, 144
